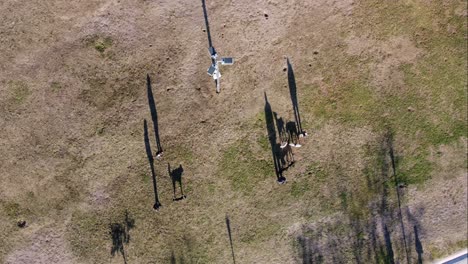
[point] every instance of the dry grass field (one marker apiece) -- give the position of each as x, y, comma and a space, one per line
381, 89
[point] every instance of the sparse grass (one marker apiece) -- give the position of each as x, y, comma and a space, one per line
340, 193
438, 252
243, 168
86, 232
102, 44
56, 86
298, 189
19, 91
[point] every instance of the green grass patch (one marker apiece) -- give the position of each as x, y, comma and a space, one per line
243, 167
19, 91
86, 234
14, 210
298, 189
102, 44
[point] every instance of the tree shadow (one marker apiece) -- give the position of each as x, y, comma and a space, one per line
157, 204
154, 115
275, 148
293, 94
176, 177
309, 251
399, 188
120, 234
228, 226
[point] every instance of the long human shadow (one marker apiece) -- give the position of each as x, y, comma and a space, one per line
389, 137
157, 204
154, 115
270, 124
176, 177
418, 245
293, 94
207, 24
120, 234
228, 226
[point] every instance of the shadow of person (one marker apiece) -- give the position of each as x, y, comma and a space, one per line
293, 94
281, 129
149, 154
419, 247
270, 124
228, 226
176, 177
154, 116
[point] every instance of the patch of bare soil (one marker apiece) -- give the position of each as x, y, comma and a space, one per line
45, 246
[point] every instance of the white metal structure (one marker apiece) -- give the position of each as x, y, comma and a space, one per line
213, 71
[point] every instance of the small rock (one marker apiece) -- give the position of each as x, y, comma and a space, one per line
151, 45
410, 109
21, 223
315, 52
285, 69
204, 30
266, 15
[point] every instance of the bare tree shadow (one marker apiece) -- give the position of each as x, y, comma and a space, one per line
176, 177
309, 251
157, 204
389, 138
154, 115
275, 148
120, 234
293, 94
228, 226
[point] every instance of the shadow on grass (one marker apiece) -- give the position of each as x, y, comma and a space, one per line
149, 154
176, 177
120, 234
154, 115
374, 227
228, 226
275, 147
293, 94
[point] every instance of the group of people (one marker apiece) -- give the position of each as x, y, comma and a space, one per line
289, 138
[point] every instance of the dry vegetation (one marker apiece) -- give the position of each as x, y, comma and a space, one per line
373, 78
